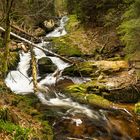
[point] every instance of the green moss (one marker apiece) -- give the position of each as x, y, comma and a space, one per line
17, 132
99, 101
92, 87
76, 88
82, 68
64, 46
48, 129
137, 108
80, 93
72, 23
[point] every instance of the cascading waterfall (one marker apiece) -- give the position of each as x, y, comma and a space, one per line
20, 83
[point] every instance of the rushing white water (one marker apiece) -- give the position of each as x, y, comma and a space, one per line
74, 107
20, 83
60, 31
18, 80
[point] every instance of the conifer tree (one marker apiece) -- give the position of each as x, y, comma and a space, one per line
130, 28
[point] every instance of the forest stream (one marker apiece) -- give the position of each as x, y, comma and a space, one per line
73, 121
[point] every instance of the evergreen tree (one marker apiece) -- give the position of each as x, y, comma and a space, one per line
130, 27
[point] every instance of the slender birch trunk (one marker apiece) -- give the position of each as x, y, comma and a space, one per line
34, 69
6, 41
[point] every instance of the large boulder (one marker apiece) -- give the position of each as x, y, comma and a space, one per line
94, 68
122, 87
85, 69
45, 65
113, 80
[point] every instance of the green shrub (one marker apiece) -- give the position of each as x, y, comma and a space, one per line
17, 132
130, 28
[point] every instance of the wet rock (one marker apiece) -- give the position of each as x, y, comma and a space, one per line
120, 87
45, 65
64, 82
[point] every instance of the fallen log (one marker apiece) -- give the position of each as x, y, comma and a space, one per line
36, 46
22, 32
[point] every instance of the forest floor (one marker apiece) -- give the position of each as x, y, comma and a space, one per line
97, 43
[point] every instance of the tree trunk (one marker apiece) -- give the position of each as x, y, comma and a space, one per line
7, 37
34, 69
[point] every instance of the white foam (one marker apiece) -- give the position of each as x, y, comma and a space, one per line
18, 80
75, 107
77, 121
60, 31
18, 83
79, 80
61, 65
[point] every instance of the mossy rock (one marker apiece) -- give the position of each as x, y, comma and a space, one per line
127, 94
137, 108
78, 93
86, 69
45, 65
65, 47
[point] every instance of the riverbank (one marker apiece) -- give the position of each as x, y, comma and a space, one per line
20, 117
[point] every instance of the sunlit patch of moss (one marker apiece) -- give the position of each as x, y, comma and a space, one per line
86, 69
137, 108
79, 93
16, 132
72, 23
76, 88
64, 46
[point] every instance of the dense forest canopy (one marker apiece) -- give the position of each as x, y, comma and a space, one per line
29, 13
